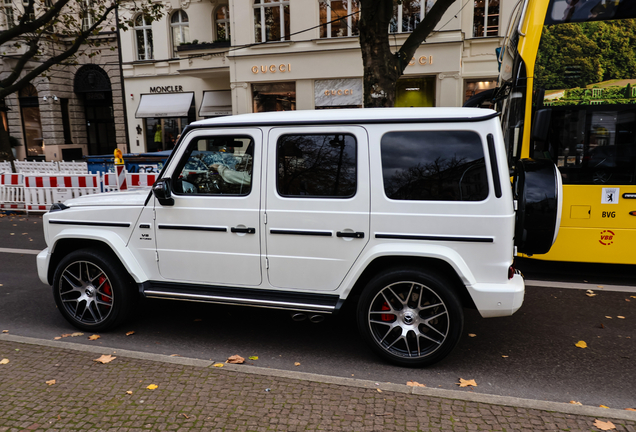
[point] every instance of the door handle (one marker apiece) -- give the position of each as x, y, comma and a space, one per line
357, 234
243, 230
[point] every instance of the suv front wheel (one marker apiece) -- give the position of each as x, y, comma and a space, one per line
92, 290
410, 317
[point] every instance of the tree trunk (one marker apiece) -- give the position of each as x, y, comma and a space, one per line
382, 68
380, 65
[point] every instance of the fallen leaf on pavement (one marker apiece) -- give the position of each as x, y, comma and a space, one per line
297, 364
621, 317
603, 406
504, 356
465, 383
581, 344
472, 335
129, 392
94, 337
185, 415
105, 358
379, 391
575, 403
152, 386
630, 409
589, 293
608, 425
218, 364
253, 357
130, 333
608, 317
4, 331
235, 359
50, 382
4, 361
175, 355
414, 384
72, 334
633, 296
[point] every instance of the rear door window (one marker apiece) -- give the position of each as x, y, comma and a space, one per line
434, 166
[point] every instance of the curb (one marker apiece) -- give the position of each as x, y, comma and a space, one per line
582, 410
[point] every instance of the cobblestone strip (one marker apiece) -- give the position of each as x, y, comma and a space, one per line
89, 396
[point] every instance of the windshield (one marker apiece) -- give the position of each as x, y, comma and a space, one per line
586, 73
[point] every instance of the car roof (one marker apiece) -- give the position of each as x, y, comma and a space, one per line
351, 116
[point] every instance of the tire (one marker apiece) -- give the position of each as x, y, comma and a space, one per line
410, 317
93, 291
538, 191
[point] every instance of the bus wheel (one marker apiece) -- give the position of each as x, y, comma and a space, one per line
537, 188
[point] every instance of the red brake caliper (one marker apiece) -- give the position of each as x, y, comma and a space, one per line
386, 317
107, 290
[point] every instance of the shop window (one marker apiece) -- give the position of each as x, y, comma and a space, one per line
486, 18
180, 28
316, 165
408, 14
474, 87
338, 93
143, 37
9, 17
434, 166
415, 92
271, 20
31, 121
222, 23
339, 18
274, 97
163, 133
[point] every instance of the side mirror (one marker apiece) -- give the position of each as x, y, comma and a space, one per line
161, 190
541, 125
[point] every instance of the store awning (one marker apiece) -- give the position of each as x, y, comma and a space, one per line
216, 103
164, 105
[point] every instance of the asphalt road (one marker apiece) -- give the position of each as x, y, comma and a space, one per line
530, 355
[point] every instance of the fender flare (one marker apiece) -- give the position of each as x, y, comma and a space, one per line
436, 252
114, 242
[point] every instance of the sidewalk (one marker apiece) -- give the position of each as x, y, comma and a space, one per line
193, 395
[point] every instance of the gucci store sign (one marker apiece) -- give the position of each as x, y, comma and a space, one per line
338, 92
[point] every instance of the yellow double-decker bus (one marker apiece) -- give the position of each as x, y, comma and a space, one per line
567, 92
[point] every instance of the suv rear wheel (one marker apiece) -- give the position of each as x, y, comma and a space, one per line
92, 290
410, 317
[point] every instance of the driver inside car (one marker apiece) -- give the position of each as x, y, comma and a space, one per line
241, 174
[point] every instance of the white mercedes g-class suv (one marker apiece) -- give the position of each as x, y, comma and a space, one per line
408, 213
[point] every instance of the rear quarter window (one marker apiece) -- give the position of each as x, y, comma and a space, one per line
434, 166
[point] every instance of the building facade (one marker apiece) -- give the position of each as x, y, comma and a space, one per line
73, 110
220, 57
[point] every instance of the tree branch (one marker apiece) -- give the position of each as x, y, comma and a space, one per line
421, 32
31, 27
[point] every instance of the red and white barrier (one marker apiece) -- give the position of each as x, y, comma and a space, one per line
12, 191
37, 192
133, 181
42, 191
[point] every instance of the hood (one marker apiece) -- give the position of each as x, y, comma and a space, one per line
129, 198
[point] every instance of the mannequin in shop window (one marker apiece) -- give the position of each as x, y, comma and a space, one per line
158, 145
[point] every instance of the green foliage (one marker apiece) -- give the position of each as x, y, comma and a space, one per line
578, 55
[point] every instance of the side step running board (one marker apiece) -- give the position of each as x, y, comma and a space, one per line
323, 303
